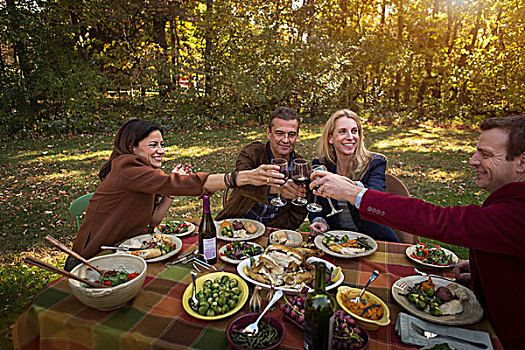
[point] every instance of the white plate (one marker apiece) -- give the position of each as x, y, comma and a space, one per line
222, 251
148, 236
191, 228
246, 263
318, 241
472, 311
259, 233
410, 250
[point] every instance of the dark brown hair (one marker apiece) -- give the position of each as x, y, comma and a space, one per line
128, 136
284, 113
515, 126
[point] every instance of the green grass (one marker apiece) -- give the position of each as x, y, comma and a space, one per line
41, 177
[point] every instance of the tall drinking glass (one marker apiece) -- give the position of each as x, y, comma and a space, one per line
283, 169
300, 176
315, 205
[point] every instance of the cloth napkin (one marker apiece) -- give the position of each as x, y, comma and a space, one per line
409, 336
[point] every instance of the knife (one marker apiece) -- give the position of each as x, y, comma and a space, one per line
126, 249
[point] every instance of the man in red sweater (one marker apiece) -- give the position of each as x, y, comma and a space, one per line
494, 232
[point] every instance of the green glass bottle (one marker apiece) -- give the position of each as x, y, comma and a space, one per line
207, 233
319, 314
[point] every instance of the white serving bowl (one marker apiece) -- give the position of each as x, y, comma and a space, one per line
112, 297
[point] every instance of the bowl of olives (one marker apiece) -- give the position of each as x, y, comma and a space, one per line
219, 295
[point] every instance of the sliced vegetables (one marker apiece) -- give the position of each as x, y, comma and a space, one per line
241, 250
174, 228
432, 254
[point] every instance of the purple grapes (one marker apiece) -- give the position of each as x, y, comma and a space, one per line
346, 333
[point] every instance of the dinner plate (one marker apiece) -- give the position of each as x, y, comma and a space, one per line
223, 257
211, 276
318, 241
246, 264
472, 311
191, 228
141, 238
259, 233
412, 249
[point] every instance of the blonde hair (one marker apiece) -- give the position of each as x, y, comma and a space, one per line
362, 156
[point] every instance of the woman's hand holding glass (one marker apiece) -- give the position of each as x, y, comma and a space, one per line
182, 169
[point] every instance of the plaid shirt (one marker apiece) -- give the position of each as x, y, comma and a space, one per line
265, 213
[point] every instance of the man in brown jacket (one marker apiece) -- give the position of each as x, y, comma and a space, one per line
252, 202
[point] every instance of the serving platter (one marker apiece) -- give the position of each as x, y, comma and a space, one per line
318, 241
472, 311
412, 249
243, 266
260, 230
130, 243
211, 276
191, 229
223, 257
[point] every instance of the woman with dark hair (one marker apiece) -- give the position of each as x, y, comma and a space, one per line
342, 150
125, 203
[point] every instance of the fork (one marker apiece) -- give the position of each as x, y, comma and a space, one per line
373, 276
430, 335
253, 328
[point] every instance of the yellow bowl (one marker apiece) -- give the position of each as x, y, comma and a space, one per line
344, 293
211, 276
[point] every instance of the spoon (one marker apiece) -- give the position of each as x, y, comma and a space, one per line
373, 276
74, 254
194, 302
253, 328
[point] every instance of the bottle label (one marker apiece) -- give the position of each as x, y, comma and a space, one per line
210, 248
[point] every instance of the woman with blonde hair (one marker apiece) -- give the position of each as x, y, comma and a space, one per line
342, 150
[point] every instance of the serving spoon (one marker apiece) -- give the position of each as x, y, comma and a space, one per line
253, 328
74, 254
194, 302
373, 276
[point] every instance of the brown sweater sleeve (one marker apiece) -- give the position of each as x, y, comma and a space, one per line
139, 176
250, 158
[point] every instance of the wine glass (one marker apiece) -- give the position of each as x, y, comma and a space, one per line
315, 205
283, 169
300, 172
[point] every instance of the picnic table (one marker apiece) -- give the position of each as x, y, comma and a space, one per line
155, 318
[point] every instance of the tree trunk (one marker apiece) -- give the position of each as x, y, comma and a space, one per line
208, 51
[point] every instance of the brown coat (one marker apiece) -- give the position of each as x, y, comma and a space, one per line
123, 204
244, 198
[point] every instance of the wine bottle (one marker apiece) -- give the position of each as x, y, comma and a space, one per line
207, 233
319, 314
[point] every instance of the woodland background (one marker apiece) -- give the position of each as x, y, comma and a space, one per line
210, 72
84, 66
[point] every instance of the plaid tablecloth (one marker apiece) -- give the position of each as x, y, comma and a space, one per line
155, 319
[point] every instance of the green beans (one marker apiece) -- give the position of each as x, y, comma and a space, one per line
266, 337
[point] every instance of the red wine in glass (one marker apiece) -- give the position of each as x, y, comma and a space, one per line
300, 176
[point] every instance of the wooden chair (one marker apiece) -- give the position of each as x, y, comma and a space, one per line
396, 186
79, 206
